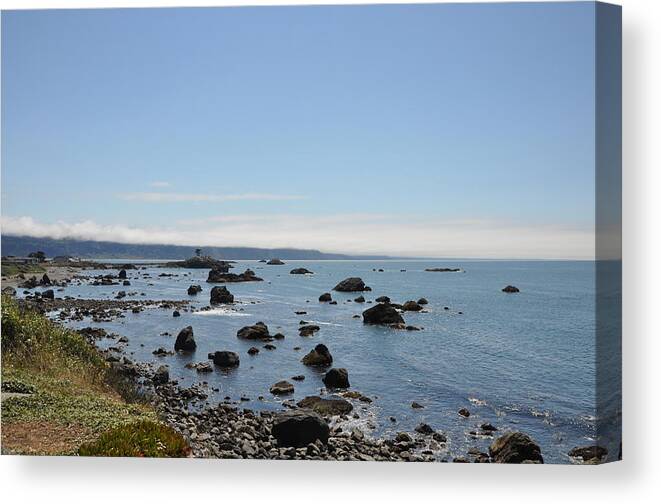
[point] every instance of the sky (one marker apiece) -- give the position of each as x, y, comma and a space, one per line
456, 130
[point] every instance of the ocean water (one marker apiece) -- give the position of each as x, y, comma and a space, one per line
521, 361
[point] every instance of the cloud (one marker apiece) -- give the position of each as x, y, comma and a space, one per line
167, 197
160, 183
348, 233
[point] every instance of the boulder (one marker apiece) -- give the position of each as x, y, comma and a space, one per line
122, 274
282, 387
411, 306
185, 341
299, 428
326, 407
424, 428
464, 412
383, 299
253, 351
220, 295
359, 299
589, 453
225, 358
337, 378
352, 284
220, 276
161, 376
382, 314
515, 448
510, 289
308, 330
176, 313
45, 280
325, 297
259, 331
423, 301
319, 356
301, 271
48, 294
194, 289
275, 262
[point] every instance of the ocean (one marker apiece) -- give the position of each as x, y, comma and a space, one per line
523, 361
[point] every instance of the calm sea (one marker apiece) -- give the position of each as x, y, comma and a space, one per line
519, 361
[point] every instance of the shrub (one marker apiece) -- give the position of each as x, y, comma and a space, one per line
140, 439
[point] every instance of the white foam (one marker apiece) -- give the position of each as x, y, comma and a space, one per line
222, 312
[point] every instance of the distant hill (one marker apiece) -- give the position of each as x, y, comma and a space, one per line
23, 245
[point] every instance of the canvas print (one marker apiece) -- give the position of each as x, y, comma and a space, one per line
336, 233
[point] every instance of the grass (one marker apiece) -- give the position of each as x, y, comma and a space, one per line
10, 269
140, 439
73, 394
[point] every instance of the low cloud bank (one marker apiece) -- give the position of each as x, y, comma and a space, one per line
350, 233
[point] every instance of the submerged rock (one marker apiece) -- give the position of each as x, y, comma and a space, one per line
352, 284
220, 295
185, 340
301, 271
382, 314
443, 270
299, 428
515, 448
510, 289
337, 378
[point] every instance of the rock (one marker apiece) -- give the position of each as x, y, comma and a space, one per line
299, 428
268, 346
194, 289
443, 270
320, 356
9, 291
308, 330
510, 289
411, 306
122, 274
325, 297
185, 340
423, 301
278, 336
416, 405
515, 448
161, 376
45, 280
353, 284
412, 328
301, 271
589, 453
439, 438
282, 388
259, 331
337, 378
299, 377
360, 299
464, 412
275, 262
487, 427
425, 429
403, 437
220, 295
48, 294
326, 407
126, 283
383, 299
161, 352
176, 313
30, 283
382, 314
203, 367
253, 351
225, 359
219, 276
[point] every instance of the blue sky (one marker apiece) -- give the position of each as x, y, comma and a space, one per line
442, 130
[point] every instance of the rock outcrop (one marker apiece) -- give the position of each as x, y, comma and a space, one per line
259, 331
226, 359
220, 295
382, 314
185, 341
337, 378
352, 284
319, 356
515, 448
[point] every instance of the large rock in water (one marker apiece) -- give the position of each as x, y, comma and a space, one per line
282, 388
275, 262
225, 358
259, 331
510, 289
220, 295
122, 274
411, 306
299, 428
515, 448
185, 340
301, 271
320, 356
337, 378
194, 289
382, 314
326, 407
353, 284
220, 276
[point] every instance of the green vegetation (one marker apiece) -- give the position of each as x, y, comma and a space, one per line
10, 269
140, 439
73, 396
